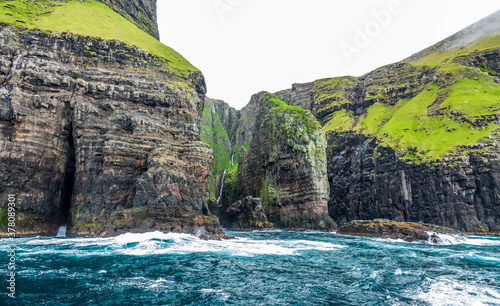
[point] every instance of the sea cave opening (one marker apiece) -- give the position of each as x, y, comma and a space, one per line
69, 179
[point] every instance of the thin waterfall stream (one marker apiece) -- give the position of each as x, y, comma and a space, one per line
225, 171
221, 186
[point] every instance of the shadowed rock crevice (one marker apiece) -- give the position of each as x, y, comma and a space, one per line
69, 178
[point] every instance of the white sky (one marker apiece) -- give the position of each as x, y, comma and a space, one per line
246, 46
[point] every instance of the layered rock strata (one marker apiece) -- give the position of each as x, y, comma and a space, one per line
100, 133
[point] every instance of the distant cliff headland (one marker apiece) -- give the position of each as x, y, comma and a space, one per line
413, 141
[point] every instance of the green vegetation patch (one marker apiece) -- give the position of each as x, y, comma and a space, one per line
295, 114
447, 61
411, 128
488, 42
214, 134
473, 98
456, 110
216, 137
341, 121
89, 18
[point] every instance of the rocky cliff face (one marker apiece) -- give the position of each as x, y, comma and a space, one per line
100, 135
280, 158
416, 140
406, 231
369, 181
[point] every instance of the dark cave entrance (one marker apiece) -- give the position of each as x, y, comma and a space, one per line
69, 178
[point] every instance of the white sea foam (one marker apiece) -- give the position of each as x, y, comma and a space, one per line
160, 283
219, 292
62, 231
130, 237
211, 290
451, 292
308, 245
171, 243
448, 239
184, 243
389, 240
445, 239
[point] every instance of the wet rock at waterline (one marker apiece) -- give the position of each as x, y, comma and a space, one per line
406, 231
247, 213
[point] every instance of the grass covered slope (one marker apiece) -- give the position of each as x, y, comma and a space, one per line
442, 104
214, 134
89, 18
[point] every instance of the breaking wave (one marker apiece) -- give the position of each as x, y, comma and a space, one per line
257, 268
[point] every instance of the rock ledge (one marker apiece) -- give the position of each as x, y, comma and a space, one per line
382, 228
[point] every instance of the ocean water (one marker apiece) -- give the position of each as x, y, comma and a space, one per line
257, 268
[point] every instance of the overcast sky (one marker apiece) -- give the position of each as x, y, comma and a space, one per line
246, 46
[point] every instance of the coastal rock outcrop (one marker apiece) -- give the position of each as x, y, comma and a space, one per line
280, 157
370, 181
407, 231
247, 213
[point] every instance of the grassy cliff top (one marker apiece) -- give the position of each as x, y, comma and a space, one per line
452, 106
89, 18
448, 60
277, 107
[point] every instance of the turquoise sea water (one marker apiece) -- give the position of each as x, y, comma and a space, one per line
258, 268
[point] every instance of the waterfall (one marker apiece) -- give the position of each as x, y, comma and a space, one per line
221, 186
62, 231
232, 151
224, 174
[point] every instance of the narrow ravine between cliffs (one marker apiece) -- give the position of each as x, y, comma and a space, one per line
225, 171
